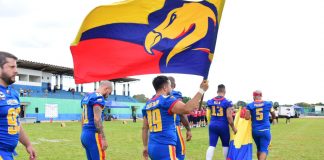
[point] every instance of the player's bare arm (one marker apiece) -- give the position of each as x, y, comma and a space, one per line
145, 129
23, 138
181, 108
97, 120
98, 123
185, 122
229, 112
273, 116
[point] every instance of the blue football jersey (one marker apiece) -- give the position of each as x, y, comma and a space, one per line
177, 95
160, 119
9, 122
260, 111
218, 106
87, 104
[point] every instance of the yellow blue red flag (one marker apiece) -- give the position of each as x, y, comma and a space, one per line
146, 37
241, 143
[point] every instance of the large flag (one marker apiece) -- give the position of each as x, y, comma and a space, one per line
146, 37
241, 143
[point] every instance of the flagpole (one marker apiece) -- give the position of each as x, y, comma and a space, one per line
200, 104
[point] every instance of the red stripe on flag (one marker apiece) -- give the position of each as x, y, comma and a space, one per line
105, 59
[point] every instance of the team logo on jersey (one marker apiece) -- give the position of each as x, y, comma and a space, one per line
99, 100
12, 102
2, 96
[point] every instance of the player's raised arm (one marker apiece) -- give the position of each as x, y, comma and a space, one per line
181, 108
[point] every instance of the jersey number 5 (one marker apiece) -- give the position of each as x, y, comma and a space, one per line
12, 120
154, 120
259, 113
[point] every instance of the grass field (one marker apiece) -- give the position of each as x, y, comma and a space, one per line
302, 139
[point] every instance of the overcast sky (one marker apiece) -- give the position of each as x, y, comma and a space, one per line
276, 46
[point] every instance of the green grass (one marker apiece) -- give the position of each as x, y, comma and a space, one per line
302, 139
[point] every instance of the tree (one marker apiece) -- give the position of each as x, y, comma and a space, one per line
303, 104
140, 98
319, 104
241, 103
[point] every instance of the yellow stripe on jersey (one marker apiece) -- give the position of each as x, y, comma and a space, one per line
175, 117
172, 153
208, 114
99, 146
183, 146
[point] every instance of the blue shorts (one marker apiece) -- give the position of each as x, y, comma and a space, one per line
6, 155
181, 146
218, 130
91, 141
262, 140
161, 151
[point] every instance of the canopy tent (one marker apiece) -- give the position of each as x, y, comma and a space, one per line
298, 109
115, 104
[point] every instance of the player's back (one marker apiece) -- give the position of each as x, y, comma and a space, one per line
218, 106
87, 104
260, 112
160, 119
9, 124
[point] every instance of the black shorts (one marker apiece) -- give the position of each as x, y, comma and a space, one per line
195, 120
288, 117
190, 118
202, 118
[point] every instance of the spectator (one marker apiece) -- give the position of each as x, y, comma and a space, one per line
277, 115
55, 88
73, 92
288, 116
49, 87
21, 91
29, 92
25, 93
46, 92
134, 114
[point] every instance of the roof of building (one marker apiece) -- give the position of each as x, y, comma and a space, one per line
59, 70
54, 69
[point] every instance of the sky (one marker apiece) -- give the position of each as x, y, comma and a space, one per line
276, 46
